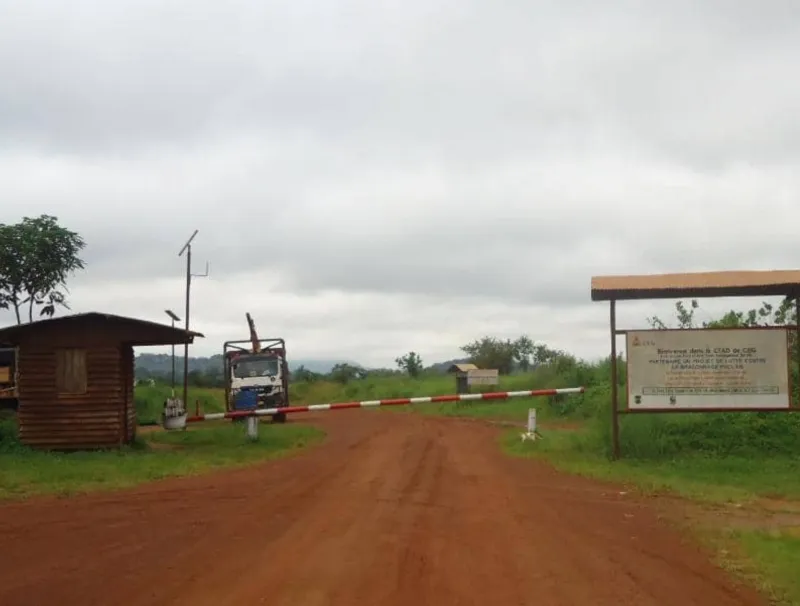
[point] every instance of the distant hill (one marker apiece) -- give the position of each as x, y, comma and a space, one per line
148, 364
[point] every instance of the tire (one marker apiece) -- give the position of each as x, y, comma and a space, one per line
279, 417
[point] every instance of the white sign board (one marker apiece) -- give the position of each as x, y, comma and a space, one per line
697, 369
482, 376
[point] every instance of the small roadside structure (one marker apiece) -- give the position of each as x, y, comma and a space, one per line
463, 368
75, 377
468, 375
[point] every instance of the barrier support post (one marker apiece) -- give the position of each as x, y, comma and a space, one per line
532, 432
252, 428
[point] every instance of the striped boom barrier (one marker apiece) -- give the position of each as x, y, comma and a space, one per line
500, 395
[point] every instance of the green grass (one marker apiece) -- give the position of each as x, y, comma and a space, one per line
154, 456
704, 477
772, 562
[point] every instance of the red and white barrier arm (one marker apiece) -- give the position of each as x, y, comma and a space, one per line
500, 395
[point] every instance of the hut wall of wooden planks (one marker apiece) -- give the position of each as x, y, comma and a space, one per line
75, 377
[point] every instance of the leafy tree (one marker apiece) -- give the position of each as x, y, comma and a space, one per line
410, 363
684, 316
37, 256
344, 373
11, 269
490, 352
543, 355
504, 355
525, 353
766, 315
303, 374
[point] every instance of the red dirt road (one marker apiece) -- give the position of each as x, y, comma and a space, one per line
395, 509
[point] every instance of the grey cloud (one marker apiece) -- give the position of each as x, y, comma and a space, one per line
543, 242
469, 79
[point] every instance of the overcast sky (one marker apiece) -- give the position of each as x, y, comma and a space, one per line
371, 177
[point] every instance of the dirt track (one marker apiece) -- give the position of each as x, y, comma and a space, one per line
395, 509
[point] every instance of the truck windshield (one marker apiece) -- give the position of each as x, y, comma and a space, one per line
255, 367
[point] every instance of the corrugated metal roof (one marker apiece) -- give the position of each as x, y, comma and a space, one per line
700, 284
138, 332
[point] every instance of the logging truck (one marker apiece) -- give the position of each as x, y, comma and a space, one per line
256, 373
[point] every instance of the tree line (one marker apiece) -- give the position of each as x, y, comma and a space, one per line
522, 354
508, 356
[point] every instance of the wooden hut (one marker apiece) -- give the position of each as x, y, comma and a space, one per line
461, 368
461, 372
75, 377
468, 375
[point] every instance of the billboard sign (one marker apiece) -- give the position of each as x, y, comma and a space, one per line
696, 369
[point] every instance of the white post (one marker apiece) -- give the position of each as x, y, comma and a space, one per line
252, 428
531, 432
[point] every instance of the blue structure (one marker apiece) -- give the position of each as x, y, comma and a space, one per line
246, 399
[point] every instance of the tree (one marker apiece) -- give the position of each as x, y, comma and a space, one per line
37, 256
766, 315
344, 373
410, 363
684, 316
525, 353
11, 269
303, 374
504, 355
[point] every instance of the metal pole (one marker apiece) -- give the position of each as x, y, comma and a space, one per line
188, 248
186, 343
614, 381
796, 349
173, 364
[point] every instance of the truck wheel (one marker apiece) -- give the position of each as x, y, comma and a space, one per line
279, 417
